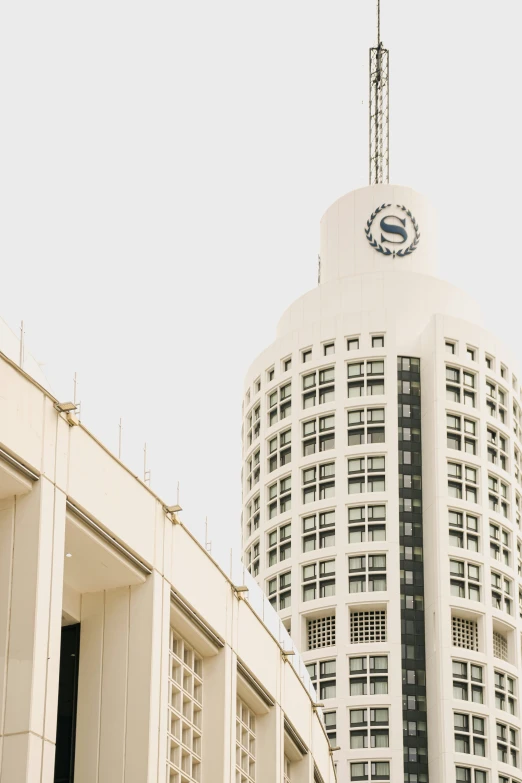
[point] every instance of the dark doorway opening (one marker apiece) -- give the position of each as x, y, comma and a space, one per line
67, 701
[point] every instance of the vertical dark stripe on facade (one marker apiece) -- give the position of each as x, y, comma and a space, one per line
413, 640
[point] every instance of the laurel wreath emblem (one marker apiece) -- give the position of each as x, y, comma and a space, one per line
386, 250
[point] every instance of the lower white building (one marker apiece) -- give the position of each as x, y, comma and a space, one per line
382, 442
126, 654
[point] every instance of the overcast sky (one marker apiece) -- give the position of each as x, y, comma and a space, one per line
163, 170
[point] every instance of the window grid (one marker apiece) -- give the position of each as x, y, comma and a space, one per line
368, 675
463, 530
500, 646
318, 482
368, 626
365, 378
279, 590
326, 531
320, 632
464, 633
505, 693
468, 681
365, 425
366, 523
185, 712
319, 387
245, 744
318, 579
323, 675
279, 450
318, 434
367, 573
460, 386
279, 403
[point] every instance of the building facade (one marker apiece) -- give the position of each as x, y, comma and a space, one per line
382, 496
126, 654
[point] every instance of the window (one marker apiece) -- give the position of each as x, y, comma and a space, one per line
278, 589
321, 538
471, 353
253, 515
368, 675
498, 495
279, 403
505, 692
507, 744
499, 543
287, 364
253, 425
252, 556
468, 775
501, 592
352, 344
369, 728
495, 393
330, 724
369, 626
469, 734
279, 544
378, 770
366, 474
378, 341
245, 744
462, 482
270, 374
363, 378
500, 646
366, 523
320, 632
365, 425
318, 482
451, 347
498, 448
318, 387
318, 580
252, 470
460, 386
279, 450
318, 434
464, 633
307, 355
468, 681
463, 530
329, 349
185, 719
367, 573
464, 580
461, 433
279, 497
323, 676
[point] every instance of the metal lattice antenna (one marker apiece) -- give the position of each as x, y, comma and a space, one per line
379, 110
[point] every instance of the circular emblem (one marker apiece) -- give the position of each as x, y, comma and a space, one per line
396, 228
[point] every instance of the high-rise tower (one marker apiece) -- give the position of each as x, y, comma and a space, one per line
382, 498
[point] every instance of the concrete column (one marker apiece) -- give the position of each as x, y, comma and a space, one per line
119, 690
32, 530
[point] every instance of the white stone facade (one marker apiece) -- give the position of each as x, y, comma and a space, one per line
322, 440
179, 679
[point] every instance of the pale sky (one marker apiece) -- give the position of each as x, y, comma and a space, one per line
163, 170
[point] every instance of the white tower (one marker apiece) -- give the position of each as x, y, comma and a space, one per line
382, 493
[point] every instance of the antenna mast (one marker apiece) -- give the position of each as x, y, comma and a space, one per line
379, 110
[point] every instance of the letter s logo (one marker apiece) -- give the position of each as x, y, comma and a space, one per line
392, 228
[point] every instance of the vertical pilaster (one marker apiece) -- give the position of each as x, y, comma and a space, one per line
119, 692
32, 530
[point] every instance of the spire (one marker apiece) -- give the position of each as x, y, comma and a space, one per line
379, 110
